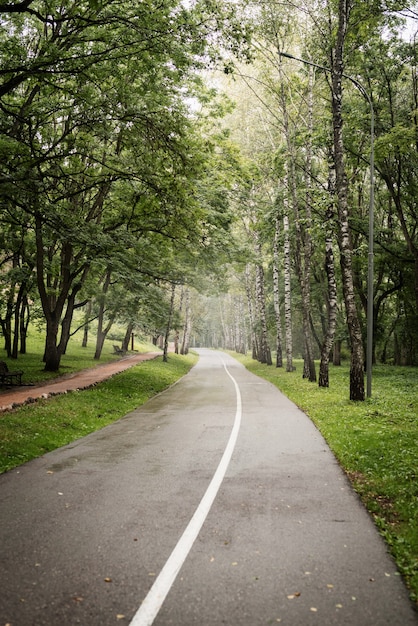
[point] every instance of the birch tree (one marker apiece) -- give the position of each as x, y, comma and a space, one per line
276, 293
251, 313
287, 293
329, 263
344, 238
264, 355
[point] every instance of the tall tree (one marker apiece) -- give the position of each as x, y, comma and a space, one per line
264, 355
93, 94
344, 239
276, 294
329, 331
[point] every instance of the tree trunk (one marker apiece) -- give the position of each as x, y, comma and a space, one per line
240, 346
53, 298
86, 325
345, 244
17, 311
24, 324
67, 320
6, 323
128, 337
332, 315
254, 343
169, 321
225, 328
187, 325
101, 336
304, 227
336, 355
52, 357
332, 288
276, 295
264, 354
303, 243
287, 295
101, 329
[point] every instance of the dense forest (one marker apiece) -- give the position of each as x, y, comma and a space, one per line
235, 175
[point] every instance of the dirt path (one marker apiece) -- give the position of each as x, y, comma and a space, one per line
17, 396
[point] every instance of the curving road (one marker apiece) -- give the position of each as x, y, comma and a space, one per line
218, 502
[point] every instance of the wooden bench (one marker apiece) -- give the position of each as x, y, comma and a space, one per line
7, 377
119, 351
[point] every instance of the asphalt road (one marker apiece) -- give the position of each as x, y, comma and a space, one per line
85, 531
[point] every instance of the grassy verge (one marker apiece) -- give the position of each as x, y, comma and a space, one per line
75, 359
376, 443
32, 430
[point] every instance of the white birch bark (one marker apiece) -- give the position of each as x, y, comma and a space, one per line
306, 247
239, 326
332, 307
187, 324
345, 244
303, 244
251, 314
169, 321
264, 352
276, 294
287, 294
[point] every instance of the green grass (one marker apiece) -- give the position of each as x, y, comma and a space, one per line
32, 430
376, 443
75, 359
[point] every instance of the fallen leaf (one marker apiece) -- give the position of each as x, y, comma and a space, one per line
120, 616
339, 606
294, 595
212, 558
48, 472
330, 586
108, 580
78, 599
313, 609
234, 563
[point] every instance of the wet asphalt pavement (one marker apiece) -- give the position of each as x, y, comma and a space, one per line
85, 530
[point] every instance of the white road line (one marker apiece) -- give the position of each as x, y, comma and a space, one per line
152, 603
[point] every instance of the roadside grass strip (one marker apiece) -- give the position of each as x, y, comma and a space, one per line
375, 442
32, 430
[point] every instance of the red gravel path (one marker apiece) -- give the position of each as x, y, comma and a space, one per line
80, 380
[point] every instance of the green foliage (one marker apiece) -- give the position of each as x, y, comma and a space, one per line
376, 443
102, 162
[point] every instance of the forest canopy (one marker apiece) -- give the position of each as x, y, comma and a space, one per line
170, 165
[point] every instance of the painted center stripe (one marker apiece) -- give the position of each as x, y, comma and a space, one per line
152, 603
